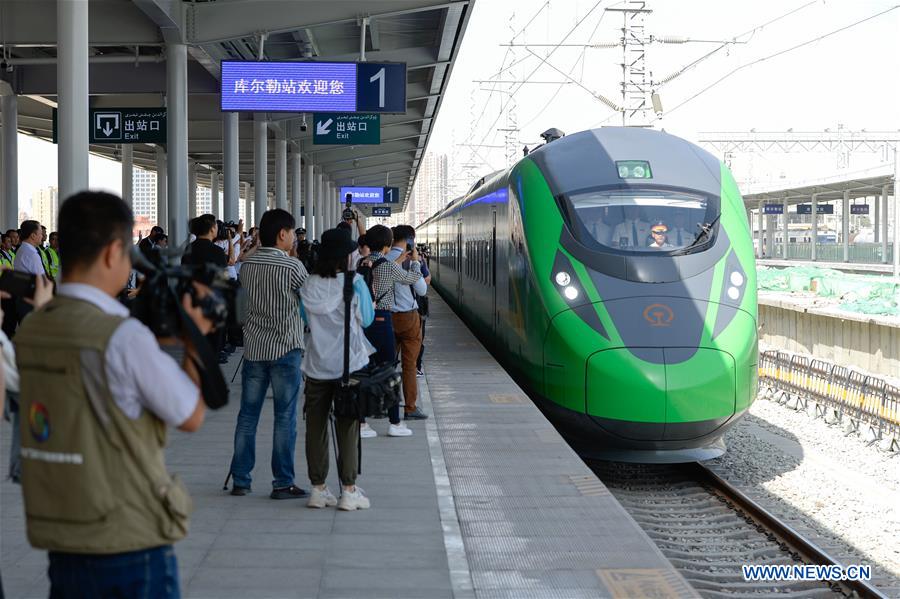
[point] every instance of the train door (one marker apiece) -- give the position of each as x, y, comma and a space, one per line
493, 267
459, 262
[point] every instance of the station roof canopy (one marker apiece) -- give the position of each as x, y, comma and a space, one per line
859, 184
127, 41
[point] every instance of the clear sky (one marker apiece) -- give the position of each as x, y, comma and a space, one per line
849, 78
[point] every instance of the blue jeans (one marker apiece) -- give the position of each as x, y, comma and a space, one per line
284, 375
148, 573
381, 335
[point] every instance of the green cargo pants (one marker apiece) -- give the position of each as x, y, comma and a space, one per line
319, 397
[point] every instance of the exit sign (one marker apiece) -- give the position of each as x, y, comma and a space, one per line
347, 129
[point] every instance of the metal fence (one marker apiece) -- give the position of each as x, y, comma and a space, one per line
862, 397
864, 253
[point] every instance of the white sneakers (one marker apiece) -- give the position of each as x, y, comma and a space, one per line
353, 500
319, 498
399, 430
394, 430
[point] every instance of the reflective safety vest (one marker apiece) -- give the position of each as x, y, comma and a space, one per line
44, 259
94, 481
53, 262
7, 258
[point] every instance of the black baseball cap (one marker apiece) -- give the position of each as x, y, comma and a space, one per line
336, 243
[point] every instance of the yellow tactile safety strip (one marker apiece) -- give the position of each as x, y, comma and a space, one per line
589, 485
649, 583
506, 398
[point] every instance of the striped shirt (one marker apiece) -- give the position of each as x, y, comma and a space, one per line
272, 280
386, 274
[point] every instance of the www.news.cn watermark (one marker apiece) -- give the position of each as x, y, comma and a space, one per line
806, 572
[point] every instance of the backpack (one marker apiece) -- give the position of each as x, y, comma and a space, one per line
366, 270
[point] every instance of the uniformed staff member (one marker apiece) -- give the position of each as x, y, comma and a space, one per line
97, 392
52, 252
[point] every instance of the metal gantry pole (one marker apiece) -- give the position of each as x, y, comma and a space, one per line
308, 202
162, 188
896, 212
845, 225
785, 231
9, 106
128, 174
281, 200
230, 166
72, 96
260, 167
877, 220
759, 231
177, 142
884, 224
815, 227
296, 185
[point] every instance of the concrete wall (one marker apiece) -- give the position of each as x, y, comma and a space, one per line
858, 341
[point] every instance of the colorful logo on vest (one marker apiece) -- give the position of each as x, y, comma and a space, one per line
39, 422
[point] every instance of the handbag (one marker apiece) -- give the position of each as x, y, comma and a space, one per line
369, 392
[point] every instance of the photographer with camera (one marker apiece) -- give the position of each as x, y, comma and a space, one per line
99, 391
406, 318
147, 244
273, 337
324, 310
350, 215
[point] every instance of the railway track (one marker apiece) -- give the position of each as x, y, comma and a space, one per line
708, 529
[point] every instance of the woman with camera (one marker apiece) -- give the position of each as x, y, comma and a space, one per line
322, 308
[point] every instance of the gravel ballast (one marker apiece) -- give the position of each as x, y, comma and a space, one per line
834, 489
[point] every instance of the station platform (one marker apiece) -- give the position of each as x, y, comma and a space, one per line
852, 267
485, 500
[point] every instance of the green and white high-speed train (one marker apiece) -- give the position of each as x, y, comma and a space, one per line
612, 273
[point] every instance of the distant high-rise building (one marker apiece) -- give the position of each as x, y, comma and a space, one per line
204, 201
44, 206
144, 193
431, 189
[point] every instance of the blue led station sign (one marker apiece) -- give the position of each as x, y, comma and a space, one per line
371, 195
773, 208
266, 86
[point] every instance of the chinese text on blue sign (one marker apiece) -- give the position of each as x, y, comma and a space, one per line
252, 86
773, 208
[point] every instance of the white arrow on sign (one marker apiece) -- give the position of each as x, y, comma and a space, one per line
323, 128
108, 123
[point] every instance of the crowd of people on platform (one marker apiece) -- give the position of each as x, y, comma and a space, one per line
98, 389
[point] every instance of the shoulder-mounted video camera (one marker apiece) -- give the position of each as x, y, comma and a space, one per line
158, 305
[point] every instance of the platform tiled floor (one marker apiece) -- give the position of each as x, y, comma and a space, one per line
484, 500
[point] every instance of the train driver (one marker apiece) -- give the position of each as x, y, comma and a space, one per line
632, 232
680, 236
601, 229
659, 233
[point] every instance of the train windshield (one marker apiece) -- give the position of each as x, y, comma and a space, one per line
645, 221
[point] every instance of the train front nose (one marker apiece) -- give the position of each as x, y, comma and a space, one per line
654, 394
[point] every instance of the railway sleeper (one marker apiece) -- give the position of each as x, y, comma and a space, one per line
739, 557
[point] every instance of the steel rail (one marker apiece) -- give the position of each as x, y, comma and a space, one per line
807, 550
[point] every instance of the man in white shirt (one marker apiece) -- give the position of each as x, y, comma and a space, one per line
632, 232
28, 259
659, 233
680, 235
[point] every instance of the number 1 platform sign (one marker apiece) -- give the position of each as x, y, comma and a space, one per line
313, 86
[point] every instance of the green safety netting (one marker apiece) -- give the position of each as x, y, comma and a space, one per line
864, 294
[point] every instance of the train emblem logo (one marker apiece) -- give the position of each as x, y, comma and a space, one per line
659, 315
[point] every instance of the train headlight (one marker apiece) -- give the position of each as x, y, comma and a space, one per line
570, 292
737, 279
563, 279
734, 293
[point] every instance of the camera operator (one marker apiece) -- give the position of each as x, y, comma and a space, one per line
273, 338
203, 250
147, 244
99, 392
407, 321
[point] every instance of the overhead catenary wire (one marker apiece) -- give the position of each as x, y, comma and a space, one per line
533, 71
779, 53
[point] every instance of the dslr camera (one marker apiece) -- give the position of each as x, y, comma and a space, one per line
223, 229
